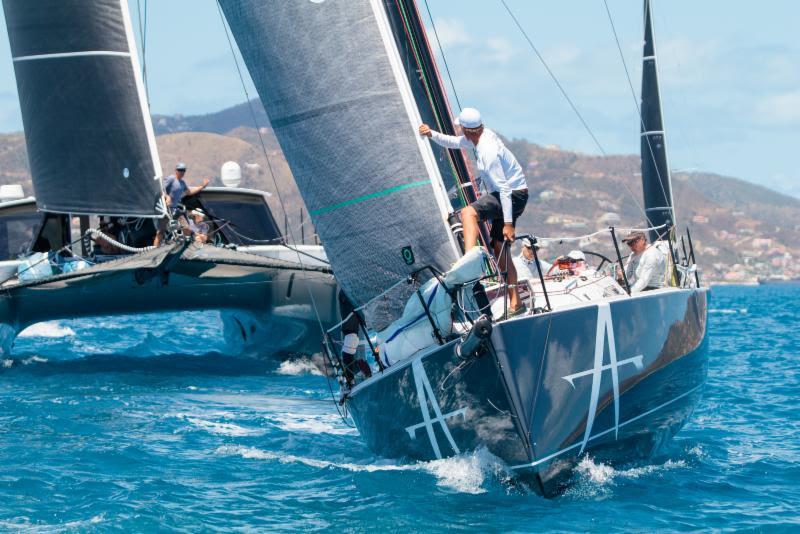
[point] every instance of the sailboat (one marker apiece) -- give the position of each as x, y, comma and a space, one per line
94, 164
593, 369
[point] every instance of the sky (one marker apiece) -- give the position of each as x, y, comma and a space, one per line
730, 74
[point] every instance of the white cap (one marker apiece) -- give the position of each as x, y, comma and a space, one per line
469, 118
576, 255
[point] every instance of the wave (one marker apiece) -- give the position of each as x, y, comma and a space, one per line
329, 423
51, 329
219, 428
593, 478
466, 473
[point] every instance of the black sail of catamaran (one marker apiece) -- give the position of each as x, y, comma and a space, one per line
656, 182
90, 142
334, 86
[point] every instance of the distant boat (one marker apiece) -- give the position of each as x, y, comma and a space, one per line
778, 280
592, 370
93, 159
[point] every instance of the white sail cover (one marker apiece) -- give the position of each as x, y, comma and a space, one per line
330, 78
90, 142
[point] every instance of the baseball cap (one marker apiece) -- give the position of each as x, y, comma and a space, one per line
469, 118
576, 255
528, 242
180, 167
633, 236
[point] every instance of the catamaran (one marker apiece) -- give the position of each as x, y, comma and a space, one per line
94, 165
594, 368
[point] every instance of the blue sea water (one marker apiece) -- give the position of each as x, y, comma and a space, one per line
103, 426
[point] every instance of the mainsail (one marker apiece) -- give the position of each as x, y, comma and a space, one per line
333, 84
656, 181
90, 142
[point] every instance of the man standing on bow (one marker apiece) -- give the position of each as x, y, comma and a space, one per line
508, 190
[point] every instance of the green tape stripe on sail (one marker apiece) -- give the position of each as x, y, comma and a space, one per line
370, 196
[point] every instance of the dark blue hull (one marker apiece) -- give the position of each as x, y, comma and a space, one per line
613, 379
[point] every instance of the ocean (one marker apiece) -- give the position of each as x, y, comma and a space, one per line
106, 427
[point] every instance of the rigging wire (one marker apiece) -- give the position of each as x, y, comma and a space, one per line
441, 51
266, 156
143, 39
637, 106
570, 102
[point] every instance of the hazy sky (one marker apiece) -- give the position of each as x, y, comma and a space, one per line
730, 73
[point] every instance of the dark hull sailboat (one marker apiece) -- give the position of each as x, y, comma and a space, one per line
595, 369
614, 380
93, 157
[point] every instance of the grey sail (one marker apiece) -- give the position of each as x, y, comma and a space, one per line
656, 181
90, 142
332, 82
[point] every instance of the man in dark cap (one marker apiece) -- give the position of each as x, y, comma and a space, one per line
646, 268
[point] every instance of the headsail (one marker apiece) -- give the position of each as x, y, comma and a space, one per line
332, 82
656, 181
90, 142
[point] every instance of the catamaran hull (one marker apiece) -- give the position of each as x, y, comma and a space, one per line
614, 380
266, 306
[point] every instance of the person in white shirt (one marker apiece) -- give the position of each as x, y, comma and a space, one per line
503, 178
572, 264
525, 263
646, 268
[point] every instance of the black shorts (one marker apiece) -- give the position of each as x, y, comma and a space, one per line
490, 209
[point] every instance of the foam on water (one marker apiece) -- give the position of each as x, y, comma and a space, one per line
298, 367
50, 329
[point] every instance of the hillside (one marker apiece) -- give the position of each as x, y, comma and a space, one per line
741, 230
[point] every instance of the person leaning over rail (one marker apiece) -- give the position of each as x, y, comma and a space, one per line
508, 190
646, 268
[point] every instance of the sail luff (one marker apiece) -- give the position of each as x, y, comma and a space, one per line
140, 89
656, 180
415, 120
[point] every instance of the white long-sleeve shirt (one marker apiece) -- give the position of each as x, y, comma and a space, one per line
526, 269
500, 170
648, 269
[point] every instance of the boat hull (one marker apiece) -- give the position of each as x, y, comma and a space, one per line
614, 379
267, 306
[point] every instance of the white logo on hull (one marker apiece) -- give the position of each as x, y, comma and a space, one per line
425, 395
605, 330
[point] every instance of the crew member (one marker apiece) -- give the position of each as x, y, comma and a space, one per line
503, 177
198, 227
525, 263
351, 363
175, 189
646, 268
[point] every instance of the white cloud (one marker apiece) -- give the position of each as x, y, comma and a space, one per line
451, 32
498, 50
779, 109
561, 55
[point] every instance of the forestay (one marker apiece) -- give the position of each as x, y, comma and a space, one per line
90, 142
332, 82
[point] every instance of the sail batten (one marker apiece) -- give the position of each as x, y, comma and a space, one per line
91, 145
335, 89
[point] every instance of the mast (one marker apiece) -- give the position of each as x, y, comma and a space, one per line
656, 180
90, 142
429, 93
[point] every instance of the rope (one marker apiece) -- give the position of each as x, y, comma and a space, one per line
569, 239
569, 101
441, 51
93, 232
